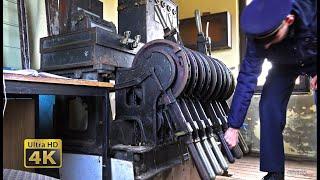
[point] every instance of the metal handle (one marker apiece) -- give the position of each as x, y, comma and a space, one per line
218, 130
216, 150
243, 145
236, 151
198, 21
160, 16
207, 29
213, 160
208, 39
205, 160
204, 168
225, 148
198, 162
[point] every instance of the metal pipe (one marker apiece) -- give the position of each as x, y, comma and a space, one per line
205, 160
160, 16
198, 21
216, 150
213, 160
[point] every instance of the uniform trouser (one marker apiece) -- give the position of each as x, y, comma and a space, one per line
273, 106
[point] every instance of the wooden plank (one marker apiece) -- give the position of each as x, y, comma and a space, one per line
246, 168
76, 82
18, 124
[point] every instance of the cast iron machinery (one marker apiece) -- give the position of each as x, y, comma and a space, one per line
173, 95
170, 100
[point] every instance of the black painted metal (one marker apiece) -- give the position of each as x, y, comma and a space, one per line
236, 151
219, 131
139, 17
79, 54
20, 87
194, 73
243, 145
158, 103
147, 161
84, 45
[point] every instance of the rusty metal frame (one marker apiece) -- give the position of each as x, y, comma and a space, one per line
52, 16
24, 37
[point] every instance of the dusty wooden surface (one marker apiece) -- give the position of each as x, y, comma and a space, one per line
77, 82
246, 168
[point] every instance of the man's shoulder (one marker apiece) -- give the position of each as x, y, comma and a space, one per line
304, 6
255, 50
306, 10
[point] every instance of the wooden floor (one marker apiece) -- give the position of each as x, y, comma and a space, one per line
247, 168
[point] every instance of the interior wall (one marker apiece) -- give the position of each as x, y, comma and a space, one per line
110, 12
37, 28
300, 133
37, 24
231, 57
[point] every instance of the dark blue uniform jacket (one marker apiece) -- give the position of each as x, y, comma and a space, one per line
298, 48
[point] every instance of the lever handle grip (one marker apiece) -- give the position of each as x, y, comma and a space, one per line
216, 150
243, 145
198, 21
198, 162
207, 29
225, 147
236, 151
205, 160
213, 160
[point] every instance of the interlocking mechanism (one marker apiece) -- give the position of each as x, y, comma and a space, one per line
173, 95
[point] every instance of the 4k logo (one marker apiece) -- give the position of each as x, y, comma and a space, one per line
42, 153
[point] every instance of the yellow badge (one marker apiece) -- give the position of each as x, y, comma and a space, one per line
42, 153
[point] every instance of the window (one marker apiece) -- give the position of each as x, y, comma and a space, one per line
15, 36
302, 82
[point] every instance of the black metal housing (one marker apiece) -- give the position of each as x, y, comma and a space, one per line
139, 17
84, 54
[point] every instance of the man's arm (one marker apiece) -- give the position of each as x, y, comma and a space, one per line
250, 70
246, 83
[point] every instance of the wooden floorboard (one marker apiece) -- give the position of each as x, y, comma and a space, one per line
247, 168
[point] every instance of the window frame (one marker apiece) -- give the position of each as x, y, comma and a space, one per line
302, 88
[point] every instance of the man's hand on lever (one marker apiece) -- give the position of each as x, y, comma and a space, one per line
313, 83
231, 136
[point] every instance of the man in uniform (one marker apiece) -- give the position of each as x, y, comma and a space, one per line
284, 32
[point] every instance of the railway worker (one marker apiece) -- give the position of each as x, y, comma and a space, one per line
284, 32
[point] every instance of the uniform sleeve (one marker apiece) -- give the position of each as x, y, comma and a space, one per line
250, 70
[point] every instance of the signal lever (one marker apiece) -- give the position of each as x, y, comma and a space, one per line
169, 34
242, 143
236, 151
183, 131
203, 41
